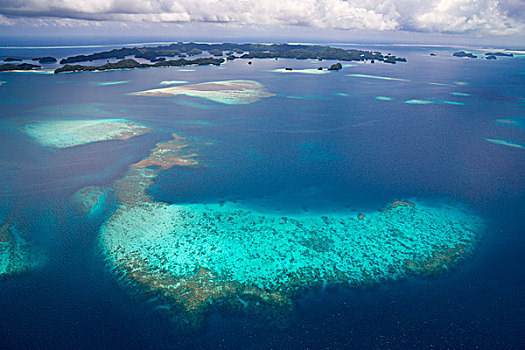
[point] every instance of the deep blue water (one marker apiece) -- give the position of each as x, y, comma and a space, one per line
318, 151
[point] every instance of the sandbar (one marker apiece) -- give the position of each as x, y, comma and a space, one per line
384, 98
113, 83
226, 92
505, 143
374, 77
173, 82
66, 133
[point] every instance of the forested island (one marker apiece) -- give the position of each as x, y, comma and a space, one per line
6, 67
159, 56
488, 55
249, 51
131, 64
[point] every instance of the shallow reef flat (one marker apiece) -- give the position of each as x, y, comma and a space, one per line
226, 92
90, 199
175, 152
173, 82
516, 122
280, 254
13, 257
16, 256
108, 83
384, 98
69, 133
506, 143
427, 102
374, 77
199, 254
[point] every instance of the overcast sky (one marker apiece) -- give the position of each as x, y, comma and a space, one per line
497, 21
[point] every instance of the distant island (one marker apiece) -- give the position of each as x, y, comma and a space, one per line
158, 56
47, 59
503, 54
6, 67
249, 51
464, 54
219, 53
131, 64
488, 55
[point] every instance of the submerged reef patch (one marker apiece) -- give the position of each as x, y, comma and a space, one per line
516, 122
374, 77
198, 254
440, 84
506, 143
226, 92
173, 82
426, 102
16, 256
418, 102
176, 152
75, 132
281, 254
384, 98
90, 199
113, 83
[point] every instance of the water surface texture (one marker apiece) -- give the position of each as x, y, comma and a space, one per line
380, 206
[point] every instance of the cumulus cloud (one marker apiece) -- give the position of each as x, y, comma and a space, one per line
456, 16
4, 21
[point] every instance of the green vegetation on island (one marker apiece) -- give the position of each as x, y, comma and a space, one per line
131, 64
502, 54
215, 52
247, 50
488, 55
464, 54
157, 56
6, 67
47, 59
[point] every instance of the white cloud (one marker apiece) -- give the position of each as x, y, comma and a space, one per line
4, 21
459, 16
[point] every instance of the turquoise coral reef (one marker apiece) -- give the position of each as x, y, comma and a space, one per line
65, 133
13, 257
198, 254
90, 199
226, 92
16, 256
506, 143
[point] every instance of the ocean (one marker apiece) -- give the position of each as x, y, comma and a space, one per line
434, 130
